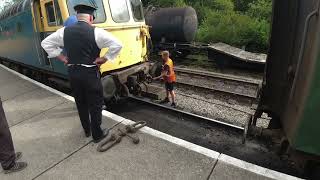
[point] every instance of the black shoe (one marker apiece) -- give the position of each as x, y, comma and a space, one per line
166, 100
174, 105
88, 134
18, 166
105, 134
18, 155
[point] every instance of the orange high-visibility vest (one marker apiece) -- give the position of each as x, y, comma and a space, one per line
172, 74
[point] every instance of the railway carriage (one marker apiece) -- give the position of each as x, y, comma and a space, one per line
25, 24
291, 92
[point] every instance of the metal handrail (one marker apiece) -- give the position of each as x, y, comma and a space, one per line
302, 48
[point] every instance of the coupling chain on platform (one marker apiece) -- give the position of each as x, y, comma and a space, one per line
115, 138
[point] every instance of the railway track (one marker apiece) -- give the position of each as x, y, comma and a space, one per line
185, 113
240, 130
218, 82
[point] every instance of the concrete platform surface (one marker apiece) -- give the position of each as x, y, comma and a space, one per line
45, 126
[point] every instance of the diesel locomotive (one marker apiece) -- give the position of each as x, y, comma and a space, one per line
26, 23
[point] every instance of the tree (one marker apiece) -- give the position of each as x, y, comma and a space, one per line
242, 5
4, 4
261, 9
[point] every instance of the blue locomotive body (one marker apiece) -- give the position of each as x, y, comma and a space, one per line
21, 42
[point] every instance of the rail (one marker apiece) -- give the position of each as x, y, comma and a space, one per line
209, 81
242, 130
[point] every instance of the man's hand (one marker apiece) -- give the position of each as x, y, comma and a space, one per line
162, 76
63, 58
99, 61
157, 78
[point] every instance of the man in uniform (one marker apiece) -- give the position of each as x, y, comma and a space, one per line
83, 44
8, 157
169, 78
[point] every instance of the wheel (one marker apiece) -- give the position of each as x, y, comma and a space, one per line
109, 87
284, 147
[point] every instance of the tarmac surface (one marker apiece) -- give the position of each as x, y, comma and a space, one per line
45, 126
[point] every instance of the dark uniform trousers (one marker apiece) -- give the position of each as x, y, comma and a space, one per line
88, 93
7, 153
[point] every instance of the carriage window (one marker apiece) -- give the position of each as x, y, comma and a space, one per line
50, 14
137, 10
119, 10
100, 13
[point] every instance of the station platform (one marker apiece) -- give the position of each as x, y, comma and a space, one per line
45, 126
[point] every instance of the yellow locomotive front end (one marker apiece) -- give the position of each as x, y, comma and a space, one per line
124, 19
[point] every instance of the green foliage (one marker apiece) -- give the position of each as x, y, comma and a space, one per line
242, 5
235, 29
221, 5
236, 22
203, 7
165, 3
260, 9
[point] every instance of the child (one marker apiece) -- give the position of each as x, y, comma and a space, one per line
169, 78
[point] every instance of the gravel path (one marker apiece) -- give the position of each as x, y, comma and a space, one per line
230, 112
226, 109
210, 110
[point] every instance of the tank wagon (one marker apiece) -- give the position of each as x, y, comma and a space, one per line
172, 28
25, 24
291, 88
172, 24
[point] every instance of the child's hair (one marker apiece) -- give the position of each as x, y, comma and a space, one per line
165, 53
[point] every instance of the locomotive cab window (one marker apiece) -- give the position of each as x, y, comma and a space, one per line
119, 11
137, 10
50, 14
53, 13
58, 13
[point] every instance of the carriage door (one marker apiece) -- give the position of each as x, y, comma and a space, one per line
52, 21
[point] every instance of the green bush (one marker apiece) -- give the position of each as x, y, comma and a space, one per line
205, 6
235, 29
242, 5
261, 9
165, 3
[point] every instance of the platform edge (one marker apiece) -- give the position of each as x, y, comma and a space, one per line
255, 168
